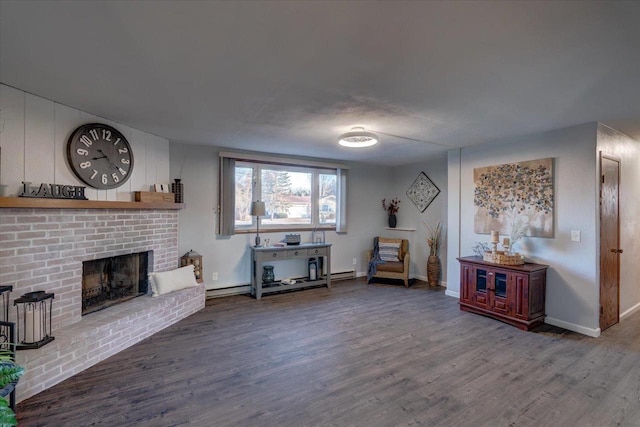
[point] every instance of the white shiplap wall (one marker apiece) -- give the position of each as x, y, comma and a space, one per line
33, 138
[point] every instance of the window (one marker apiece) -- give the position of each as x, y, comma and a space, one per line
327, 199
244, 186
294, 197
298, 193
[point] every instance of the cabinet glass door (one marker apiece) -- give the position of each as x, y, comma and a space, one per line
501, 285
481, 280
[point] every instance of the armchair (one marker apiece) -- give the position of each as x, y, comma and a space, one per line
394, 269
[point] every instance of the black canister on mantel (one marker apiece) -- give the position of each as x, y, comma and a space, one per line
177, 188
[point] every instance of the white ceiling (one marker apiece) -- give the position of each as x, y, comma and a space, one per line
289, 77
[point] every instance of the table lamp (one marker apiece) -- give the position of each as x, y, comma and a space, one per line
257, 210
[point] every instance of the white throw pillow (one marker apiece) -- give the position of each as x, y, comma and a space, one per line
389, 251
174, 280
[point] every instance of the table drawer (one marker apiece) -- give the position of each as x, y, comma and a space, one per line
271, 255
296, 253
317, 252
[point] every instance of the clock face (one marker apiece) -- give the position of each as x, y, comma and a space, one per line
100, 156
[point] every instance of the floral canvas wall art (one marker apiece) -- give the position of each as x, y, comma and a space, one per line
515, 195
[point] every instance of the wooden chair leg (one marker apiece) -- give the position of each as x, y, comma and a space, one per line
406, 283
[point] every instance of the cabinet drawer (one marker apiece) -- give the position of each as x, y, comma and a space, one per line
266, 256
317, 252
296, 253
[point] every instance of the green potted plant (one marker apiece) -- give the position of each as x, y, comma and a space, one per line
10, 373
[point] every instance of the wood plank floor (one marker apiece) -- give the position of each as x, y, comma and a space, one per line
355, 355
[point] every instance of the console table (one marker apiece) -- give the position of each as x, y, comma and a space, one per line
512, 293
264, 255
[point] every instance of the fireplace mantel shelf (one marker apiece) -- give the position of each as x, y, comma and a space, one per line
42, 203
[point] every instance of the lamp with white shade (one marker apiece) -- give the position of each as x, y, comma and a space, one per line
258, 210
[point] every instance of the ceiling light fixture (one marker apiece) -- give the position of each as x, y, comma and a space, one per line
357, 138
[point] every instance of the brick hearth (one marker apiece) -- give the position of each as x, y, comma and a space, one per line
43, 249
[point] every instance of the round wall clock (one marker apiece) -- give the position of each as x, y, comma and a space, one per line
100, 156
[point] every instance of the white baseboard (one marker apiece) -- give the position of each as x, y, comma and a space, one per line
595, 333
630, 311
454, 294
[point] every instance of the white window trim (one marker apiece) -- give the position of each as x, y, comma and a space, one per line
226, 227
315, 201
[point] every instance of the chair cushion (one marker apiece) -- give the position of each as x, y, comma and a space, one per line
389, 251
392, 267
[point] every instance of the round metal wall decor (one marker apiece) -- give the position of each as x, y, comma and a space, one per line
100, 156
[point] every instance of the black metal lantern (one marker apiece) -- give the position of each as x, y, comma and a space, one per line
6, 327
34, 319
7, 339
4, 302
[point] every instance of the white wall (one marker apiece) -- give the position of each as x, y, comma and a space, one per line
627, 150
453, 223
572, 297
33, 138
410, 217
229, 256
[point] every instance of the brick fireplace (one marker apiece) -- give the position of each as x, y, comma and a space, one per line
44, 249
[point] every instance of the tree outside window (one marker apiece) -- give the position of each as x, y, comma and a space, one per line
244, 192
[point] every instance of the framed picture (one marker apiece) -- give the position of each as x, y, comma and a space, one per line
422, 192
515, 196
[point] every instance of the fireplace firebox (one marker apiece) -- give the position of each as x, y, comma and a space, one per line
113, 280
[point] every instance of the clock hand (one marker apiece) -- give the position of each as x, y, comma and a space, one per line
98, 158
108, 159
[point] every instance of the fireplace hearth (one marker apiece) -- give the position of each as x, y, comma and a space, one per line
113, 280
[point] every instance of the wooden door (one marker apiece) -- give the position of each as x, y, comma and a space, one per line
609, 242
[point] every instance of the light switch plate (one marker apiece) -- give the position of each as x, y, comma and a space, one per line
575, 236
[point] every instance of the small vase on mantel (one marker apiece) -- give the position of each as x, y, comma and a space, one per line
433, 270
393, 221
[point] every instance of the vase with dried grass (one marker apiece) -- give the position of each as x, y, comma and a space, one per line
434, 236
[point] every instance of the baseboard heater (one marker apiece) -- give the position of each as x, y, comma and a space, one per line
225, 292
343, 275
246, 289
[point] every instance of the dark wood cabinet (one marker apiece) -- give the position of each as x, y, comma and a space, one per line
511, 293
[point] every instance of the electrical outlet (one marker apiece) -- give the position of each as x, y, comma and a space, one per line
215, 276
355, 261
